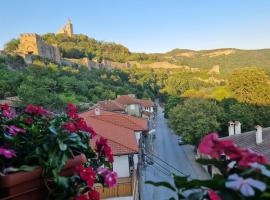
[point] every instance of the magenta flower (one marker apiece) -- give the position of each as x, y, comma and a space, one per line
212, 146
110, 177
8, 153
6, 111
102, 171
245, 186
213, 195
14, 130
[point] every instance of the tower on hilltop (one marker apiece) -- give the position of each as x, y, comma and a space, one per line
67, 29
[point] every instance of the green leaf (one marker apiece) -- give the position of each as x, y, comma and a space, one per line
161, 184
62, 181
62, 146
25, 168
180, 181
196, 196
217, 163
52, 129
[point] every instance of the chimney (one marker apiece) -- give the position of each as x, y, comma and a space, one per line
97, 111
259, 138
237, 127
231, 128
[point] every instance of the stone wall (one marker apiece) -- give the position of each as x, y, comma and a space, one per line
31, 43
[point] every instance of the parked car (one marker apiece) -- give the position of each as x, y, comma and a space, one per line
180, 141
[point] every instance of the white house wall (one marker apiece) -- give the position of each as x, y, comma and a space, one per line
138, 136
121, 165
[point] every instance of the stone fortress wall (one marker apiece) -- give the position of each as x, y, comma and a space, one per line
32, 44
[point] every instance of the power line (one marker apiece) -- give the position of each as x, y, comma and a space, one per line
167, 163
164, 168
160, 170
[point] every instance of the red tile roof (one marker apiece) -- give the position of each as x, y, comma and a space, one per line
145, 102
121, 140
119, 119
126, 100
111, 105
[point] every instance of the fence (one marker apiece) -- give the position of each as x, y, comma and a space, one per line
126, 186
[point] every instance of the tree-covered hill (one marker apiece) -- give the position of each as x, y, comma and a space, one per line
227, 59
79, 46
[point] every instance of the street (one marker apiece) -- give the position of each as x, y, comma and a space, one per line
168, 157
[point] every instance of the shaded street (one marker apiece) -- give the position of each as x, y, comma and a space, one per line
168, 157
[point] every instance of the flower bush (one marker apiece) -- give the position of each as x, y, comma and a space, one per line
243, 174
39, 138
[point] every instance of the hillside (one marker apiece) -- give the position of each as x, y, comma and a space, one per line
227, 59
79, 46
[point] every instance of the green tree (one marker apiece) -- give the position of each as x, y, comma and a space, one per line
195, 118
250, 85
12, 45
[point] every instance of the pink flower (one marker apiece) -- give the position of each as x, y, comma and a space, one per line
213, 195
93, 195
7, 112
82, 197
28, 120
5, 106
14, 130
71, 108
8, 153
72, 115
233, 152
70, 127
110, 177
104, 149
248, 157
36, 110
212, 146
102, 171
87, 174
71, 111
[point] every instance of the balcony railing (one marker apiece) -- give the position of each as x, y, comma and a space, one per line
126, 186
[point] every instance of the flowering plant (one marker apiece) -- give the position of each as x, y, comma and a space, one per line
242, 173
39, 138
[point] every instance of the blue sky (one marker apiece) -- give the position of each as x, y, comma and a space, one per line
146, 25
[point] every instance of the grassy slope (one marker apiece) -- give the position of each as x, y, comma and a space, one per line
228, 59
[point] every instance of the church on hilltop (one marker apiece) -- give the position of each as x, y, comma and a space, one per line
33, 44
67, 29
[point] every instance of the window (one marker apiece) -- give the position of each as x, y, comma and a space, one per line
132, 107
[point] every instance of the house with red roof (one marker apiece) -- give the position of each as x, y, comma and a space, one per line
111, 105
134, 106
124, 134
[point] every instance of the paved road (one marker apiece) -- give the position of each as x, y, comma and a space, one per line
166, 149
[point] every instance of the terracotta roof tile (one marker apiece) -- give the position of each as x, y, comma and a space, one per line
111, 105
119, 119
145, 102
126, 100
121, 140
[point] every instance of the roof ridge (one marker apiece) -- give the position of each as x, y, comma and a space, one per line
111, 122
129, 118
112, 139
248, 132
123, 145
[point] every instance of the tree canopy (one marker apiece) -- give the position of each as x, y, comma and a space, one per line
250, 85
195, 118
